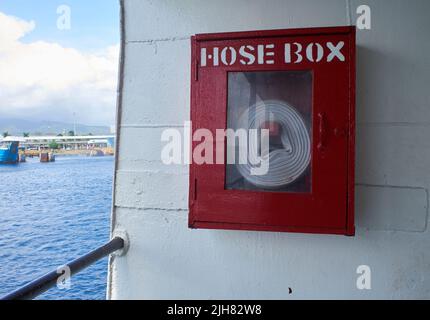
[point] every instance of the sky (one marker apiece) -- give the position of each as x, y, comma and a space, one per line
59, 60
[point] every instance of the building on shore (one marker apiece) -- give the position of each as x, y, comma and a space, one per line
69, 142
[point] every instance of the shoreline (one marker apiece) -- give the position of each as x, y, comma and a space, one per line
79, 152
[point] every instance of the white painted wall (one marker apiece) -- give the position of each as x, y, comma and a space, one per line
168, 260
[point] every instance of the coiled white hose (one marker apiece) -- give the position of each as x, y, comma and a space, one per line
287, 164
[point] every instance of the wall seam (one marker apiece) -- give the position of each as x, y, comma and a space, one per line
152, 209
153, 41
149, 126
394, 124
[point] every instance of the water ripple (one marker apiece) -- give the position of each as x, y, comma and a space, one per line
51, 213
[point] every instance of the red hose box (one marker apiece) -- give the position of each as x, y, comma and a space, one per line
273, 130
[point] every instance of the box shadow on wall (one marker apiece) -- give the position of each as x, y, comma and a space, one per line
379, 205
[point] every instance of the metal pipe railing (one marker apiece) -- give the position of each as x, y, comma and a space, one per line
46, 282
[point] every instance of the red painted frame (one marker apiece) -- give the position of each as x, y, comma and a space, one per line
329, 208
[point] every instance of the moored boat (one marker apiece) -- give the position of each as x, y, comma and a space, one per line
9, 151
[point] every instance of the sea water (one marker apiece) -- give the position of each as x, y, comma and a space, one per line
52, 213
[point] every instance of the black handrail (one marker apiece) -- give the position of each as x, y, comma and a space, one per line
46, 282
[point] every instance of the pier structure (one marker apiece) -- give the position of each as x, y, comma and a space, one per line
68, 142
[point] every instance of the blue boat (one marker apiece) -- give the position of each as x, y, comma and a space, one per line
9, 151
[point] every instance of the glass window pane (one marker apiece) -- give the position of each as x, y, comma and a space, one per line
281, 103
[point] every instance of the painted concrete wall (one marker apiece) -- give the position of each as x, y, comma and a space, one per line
168, 260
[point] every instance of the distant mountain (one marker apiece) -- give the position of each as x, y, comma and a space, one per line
18, 127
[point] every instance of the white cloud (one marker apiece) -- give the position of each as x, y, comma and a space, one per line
47, 81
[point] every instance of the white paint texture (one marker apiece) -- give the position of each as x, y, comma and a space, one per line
167, 260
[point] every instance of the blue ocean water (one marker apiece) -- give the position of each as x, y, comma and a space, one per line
52, 213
